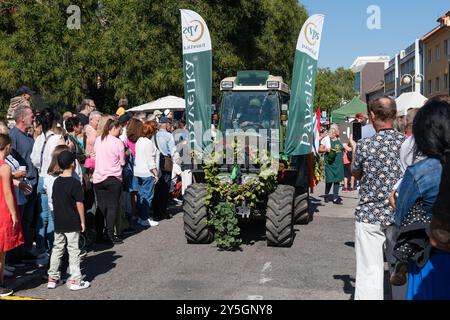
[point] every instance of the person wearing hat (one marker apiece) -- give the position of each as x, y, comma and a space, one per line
249, 114
157, 114
165, 143
123, 105
168, 114
24, 92
123, 121
22, 98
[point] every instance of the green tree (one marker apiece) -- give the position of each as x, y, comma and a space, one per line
133, 48
332, 88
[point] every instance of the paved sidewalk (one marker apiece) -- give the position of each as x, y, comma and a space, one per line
158, 263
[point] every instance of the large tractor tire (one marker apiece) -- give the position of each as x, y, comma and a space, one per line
279, 217
195, 215
301, 212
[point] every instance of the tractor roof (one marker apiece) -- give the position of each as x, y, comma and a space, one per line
255, 80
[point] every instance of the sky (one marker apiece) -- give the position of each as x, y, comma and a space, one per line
345, 34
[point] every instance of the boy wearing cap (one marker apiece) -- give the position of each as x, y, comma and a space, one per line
68, 211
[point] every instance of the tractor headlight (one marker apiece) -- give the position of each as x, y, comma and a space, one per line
226, 85
273, 84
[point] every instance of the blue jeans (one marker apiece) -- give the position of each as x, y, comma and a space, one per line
45, 226
146, 188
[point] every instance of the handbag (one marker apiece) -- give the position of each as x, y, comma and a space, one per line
89, 163
165, 162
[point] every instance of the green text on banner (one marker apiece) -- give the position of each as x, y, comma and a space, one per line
197, 70
300, 129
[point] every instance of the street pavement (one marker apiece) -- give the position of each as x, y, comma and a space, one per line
157, 263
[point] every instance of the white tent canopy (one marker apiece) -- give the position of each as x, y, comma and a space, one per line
409, 100
170, 102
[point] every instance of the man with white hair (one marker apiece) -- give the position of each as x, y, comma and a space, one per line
91, 131
334, 165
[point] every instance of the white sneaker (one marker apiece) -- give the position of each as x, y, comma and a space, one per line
53, 283
152, 223
9, 268
78, 285
5, 292
178, 202
7, 273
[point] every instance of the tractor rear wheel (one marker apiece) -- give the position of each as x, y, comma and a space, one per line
301, 212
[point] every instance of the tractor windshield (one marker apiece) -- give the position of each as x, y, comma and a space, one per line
249, 110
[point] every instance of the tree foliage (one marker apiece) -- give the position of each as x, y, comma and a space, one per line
133, 48
334, 88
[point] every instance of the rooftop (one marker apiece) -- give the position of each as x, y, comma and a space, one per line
360, 62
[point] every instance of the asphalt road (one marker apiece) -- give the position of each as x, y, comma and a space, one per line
157, 263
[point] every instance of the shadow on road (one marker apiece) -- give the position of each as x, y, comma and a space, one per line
253, 231
98, 264
314, 204
349, 287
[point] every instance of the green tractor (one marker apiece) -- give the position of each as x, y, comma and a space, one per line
251, 102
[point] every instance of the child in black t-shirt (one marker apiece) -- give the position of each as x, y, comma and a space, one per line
69, 222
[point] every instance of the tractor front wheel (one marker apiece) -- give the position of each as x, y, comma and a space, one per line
196, 228
279, 217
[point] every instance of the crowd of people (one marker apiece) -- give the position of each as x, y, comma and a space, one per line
401, 166
63, 176
83, 174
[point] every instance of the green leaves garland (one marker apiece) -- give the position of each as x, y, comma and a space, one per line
224, 196
225, 225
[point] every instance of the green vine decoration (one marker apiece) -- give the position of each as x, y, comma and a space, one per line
225, 224
223, 197
319, 169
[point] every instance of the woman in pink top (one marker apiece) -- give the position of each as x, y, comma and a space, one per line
109, 160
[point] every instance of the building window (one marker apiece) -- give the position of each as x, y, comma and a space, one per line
389, 78
447, 47
357, 83
438, 85
408, 67
430, 87
446, 81
438, 52
430, 59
